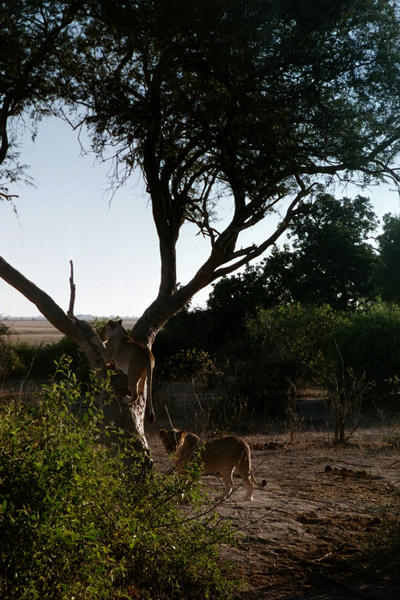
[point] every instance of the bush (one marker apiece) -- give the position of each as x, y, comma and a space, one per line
369, 341
297, 344
190, 365
40, 361
10, 363
75, 522
281, 346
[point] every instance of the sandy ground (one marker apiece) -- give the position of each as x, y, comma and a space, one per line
322, 506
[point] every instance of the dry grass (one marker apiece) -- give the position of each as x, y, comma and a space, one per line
39, 331
33, 331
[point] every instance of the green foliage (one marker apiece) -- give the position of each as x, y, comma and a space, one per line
355, 355
331, 261
39, 361
10, 362
294, 344
283, 345
190, 365
388, 268
76, 521
293, 333
369, 341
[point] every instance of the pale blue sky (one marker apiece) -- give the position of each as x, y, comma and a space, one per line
114, 247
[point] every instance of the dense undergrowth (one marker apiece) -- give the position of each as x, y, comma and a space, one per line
78, 520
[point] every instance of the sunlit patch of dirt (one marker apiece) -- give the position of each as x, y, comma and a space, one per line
304, 535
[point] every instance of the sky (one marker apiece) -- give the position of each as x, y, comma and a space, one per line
69, 214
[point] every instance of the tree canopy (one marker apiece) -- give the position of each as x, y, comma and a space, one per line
246, 105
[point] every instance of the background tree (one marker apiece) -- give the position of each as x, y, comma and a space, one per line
388, 268
331, 261
236, 104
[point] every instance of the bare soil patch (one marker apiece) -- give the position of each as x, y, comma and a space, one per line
305, 534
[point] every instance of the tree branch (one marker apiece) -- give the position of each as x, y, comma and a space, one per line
72, 286
79, 331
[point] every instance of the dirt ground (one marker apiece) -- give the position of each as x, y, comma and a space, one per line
305, 534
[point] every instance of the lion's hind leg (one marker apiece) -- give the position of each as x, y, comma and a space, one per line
227, 478
136, 380
244, 468
249, 488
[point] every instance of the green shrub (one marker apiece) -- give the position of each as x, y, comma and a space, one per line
190, 365
369, 341
10, 363
313, 345
76, 522
281, 345
40, 361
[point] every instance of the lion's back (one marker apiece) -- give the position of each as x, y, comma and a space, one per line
224, 453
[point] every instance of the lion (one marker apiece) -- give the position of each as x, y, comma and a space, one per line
132, 358
219, 455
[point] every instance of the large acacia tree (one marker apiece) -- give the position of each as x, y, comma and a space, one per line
248, 105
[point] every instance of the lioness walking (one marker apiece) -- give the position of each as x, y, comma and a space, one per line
220, 456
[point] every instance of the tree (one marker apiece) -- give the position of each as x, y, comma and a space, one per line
245, 104
331, 261
234, 298
388, 270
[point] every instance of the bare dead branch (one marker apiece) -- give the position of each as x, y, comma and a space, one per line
72, 286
